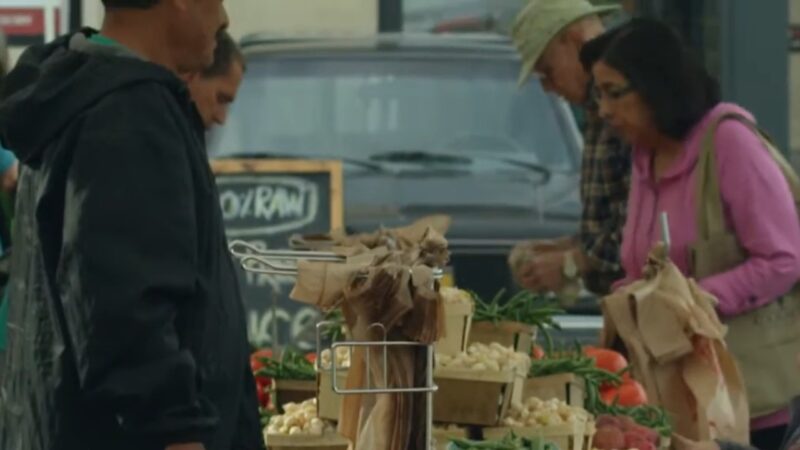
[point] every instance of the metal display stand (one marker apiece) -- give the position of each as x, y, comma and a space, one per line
429, 388
284, 262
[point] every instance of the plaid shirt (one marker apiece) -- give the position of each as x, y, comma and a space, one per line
605, 179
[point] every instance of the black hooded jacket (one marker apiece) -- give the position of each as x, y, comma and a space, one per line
126, 327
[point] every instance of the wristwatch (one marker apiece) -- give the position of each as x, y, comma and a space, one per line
570, 267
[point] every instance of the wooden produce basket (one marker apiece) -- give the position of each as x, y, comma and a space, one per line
577, 436
566, 387
326, 441
443, 436
329, 403
293, 391
508, 334
469, 397
458, 320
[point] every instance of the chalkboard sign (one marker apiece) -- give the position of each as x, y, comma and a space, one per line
264, 202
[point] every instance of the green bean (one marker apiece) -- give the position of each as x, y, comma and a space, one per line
523, 307
291, 366
509, 442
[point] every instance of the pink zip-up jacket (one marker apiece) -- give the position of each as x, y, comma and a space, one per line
758, 205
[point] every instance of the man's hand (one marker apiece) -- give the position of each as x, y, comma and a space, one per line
8, 180
191, 446
525, 251
544, 272
519, 257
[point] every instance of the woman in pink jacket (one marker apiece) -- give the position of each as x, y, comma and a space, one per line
661, 100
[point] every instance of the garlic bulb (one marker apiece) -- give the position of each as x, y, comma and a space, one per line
342, 358
536, 413
494, 357
298, 419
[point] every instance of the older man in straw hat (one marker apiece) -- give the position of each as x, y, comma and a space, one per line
549, 35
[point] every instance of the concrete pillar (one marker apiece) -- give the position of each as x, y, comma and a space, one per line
754, 61
794, 87
92, 12
743, 43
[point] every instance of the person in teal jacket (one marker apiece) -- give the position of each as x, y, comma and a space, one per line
8, 181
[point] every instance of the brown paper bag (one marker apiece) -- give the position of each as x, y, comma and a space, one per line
388, 280
394, 239
321, 283
381, 296
675, 343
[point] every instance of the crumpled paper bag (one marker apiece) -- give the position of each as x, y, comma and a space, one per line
675, 343
392, 238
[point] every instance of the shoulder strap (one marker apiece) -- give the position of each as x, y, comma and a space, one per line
710, 213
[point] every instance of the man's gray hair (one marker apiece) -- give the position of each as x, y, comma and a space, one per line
226, 53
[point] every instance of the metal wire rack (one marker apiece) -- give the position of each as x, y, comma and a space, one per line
284, 262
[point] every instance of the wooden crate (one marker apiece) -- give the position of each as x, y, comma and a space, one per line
326, 441
329, 403
293, 391
443, 436
577, 436
468, 397
567, 387
509, 334
458, 320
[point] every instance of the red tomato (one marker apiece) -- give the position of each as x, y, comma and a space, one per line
257, 356
630, 394
608, 395
606, 359
262, 389
537, 353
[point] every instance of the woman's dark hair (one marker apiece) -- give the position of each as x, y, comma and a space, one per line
661, 68
136, 4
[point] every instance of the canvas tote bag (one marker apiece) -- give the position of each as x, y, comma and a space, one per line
766, 340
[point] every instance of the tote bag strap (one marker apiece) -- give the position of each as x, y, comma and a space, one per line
710, 211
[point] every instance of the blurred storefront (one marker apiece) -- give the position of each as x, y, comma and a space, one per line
751, 45
745, 44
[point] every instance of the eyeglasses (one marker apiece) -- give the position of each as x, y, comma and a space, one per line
612, 93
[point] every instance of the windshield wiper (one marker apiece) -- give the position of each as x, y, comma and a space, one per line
373, 166
544, 171
428, 157
420, 156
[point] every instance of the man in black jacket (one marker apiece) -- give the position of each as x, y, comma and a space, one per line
126, 327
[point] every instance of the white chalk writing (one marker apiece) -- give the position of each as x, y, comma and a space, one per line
266, 205
297, 326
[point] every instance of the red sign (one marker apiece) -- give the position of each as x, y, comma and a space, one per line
794, 37
25, 21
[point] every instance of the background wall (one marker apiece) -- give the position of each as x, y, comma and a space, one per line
794, 87
744, 42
